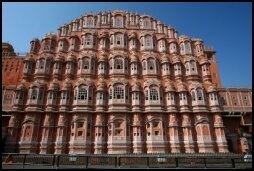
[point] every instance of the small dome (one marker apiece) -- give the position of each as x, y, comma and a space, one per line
7, 47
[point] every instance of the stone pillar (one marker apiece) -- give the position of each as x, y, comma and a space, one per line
155, 25
204, 139
173, 134
13, 133
81, 23
118, 144
61, 136
100, 134
30, 134
187, 134
99, 20
69, 29
137, 19
137, 134
47, 134
220, 134
127, 20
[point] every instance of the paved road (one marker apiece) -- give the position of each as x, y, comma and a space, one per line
217, 166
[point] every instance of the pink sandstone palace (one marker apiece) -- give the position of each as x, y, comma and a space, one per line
119, 82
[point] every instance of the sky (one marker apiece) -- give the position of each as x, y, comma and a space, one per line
225, 26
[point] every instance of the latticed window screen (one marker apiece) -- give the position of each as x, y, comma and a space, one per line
34, 93
119, 22
118, 63
42, 63
146, 23
119, 39
150, 64
85, 63
154, 94
192, 65
88, 39
148, 41
199, 94
118, 93
89, 22
82, 95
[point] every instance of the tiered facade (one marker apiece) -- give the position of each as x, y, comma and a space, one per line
116, 82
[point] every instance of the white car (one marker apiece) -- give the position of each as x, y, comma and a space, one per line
247, 158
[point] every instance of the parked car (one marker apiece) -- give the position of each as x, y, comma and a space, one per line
247, 157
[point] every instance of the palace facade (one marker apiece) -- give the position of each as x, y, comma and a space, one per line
119, 82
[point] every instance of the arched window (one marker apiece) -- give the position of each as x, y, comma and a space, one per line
85, 63
118, 63
146, 23
118, 92
90, 22
41, 63
182, 48
200, 94
193, 65
148, 41
119, 39
151, 64
34, 93
154, 94
119, 21
82, 94
88, 39
28, 131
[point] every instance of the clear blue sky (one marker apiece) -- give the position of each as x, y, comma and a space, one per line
226, 26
